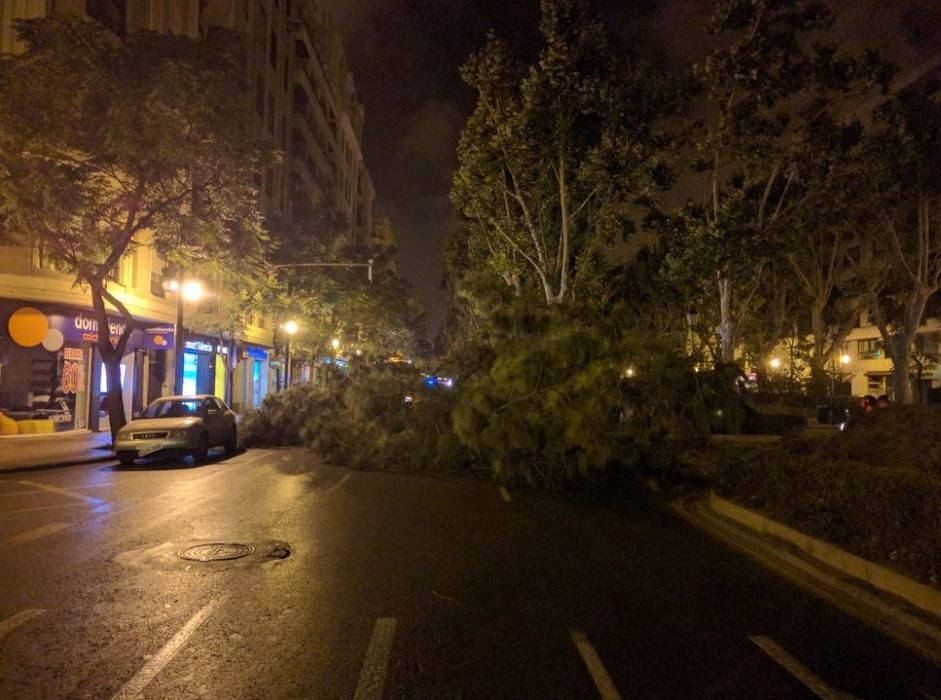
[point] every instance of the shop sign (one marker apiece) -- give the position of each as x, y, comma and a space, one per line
74, 354
203, 346
29, 327
84, 329
256, 353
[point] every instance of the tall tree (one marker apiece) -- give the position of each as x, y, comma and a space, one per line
899, 220
768, 82
555, 154
107, 143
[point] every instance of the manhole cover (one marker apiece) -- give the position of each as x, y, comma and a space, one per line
216, 551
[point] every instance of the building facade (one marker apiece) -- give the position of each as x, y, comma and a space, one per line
51, 378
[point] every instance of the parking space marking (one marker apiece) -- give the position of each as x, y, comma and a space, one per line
21, 618
372, 678
505, 494
64, 492
808, 678
336, 486
136, 685
599, 675
39, 532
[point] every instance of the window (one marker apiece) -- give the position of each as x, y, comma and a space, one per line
869, 349
156, 285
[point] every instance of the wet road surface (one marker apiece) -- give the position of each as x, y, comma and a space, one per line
368, 584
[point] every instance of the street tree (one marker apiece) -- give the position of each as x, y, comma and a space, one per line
899, 222
770, 81
555, 155
107, 143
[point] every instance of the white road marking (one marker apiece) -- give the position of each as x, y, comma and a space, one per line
64, 492
24, 492
599, 675
60, 506
811, 680
336, 486
39, 532
505, 494
136, 685
372, 678
11, 623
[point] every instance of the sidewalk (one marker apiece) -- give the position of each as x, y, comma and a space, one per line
54, 450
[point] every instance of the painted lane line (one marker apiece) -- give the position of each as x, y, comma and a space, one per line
35, 508
39, 532
11, 623
505, 494
372, 678
64, 492
336, 486
808, 678
599, 675
136, 685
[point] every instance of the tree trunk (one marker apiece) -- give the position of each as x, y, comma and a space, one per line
818, 360
726, 321
111, 355
901, 381
117, 418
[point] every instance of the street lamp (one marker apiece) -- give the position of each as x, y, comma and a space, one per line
775, 363
290, 327
192, 291
335, 344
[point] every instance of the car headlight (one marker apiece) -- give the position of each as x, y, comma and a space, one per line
179, 432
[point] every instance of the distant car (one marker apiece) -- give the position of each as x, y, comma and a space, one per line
179, 426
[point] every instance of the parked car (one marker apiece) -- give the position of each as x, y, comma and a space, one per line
178, 426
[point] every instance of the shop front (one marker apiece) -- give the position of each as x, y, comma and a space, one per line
51, 377
251, 379
204, 367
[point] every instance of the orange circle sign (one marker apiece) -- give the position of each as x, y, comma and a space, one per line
28, 326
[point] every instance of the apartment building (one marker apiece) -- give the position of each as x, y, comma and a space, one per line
305, 104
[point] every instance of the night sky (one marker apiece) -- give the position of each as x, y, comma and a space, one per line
405, 56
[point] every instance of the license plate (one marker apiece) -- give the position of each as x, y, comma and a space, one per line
150, 449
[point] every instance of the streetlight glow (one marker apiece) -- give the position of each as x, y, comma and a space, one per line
192, 290
775, 363
844, 359
335, 343
291, 327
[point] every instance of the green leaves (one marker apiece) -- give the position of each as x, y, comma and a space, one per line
557, 158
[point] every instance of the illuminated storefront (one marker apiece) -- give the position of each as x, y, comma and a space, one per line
50, 372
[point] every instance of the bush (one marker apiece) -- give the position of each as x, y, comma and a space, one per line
888, 514
907, 436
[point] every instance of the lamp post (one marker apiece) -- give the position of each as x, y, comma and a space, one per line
290, 327
191, 290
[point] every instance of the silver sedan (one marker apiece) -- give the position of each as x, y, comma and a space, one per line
179, 426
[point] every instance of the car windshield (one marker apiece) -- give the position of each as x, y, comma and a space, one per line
173, 408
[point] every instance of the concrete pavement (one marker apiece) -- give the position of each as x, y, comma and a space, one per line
399, 586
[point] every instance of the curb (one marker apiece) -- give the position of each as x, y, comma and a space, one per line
918, 594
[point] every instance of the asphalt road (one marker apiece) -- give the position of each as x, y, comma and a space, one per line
398, 586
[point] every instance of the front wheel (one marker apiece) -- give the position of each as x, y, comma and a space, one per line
232, 442
202, 452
